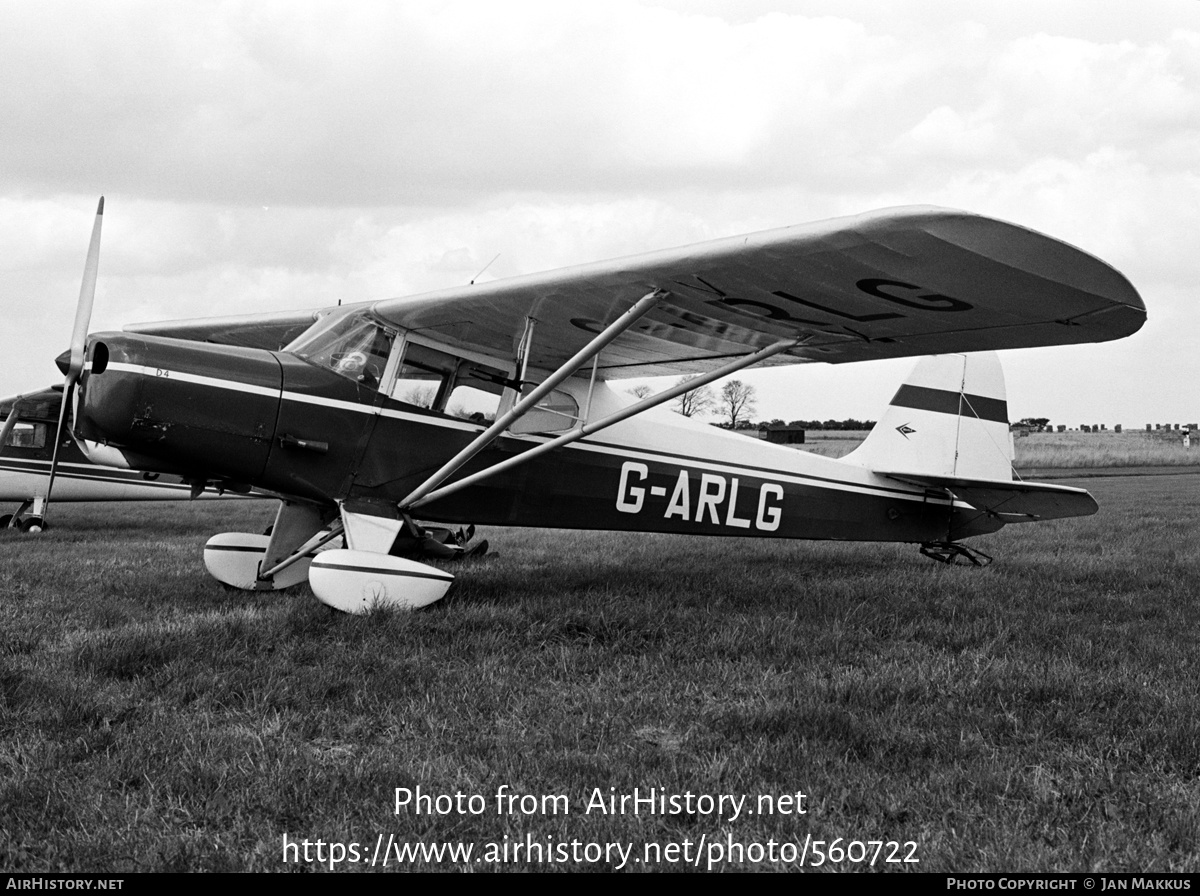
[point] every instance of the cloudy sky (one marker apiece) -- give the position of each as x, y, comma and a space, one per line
264, 156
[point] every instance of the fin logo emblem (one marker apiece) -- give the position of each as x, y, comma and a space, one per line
905, 430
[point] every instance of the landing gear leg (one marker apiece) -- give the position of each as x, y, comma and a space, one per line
270, 562
952, 553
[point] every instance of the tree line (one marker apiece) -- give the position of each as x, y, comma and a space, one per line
734, 405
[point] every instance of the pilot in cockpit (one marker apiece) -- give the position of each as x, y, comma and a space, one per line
366, 361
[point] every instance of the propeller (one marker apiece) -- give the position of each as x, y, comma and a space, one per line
83, 317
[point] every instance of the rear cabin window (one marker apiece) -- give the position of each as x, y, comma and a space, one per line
557, 412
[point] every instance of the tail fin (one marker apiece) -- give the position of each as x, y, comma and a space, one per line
949, 419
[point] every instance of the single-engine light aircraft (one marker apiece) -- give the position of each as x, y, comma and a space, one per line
491, 403
28, 439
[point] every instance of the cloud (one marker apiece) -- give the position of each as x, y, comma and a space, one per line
265, 155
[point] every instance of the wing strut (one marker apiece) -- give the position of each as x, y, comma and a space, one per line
585, 354
589, 428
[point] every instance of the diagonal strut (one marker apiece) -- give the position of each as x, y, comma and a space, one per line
589, 428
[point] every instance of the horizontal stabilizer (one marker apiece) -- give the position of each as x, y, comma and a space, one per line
1010, 501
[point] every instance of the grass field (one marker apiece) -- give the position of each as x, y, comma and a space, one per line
1056, 450
1039, 714
1066, 450
833, 442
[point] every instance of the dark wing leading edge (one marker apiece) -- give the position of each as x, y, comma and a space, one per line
893, 283
270, 331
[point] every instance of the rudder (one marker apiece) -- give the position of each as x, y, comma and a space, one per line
948, 419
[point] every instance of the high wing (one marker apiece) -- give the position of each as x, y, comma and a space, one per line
886, 284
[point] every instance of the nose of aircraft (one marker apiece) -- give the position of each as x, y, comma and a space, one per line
203, 410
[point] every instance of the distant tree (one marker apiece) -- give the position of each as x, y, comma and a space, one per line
421, 396
849, 423
1035, 423
640, 392
695, 402
736, 402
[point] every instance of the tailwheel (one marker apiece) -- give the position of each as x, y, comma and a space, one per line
952, 553
361, 581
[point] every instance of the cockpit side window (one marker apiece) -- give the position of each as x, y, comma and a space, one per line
448, 384
424, 377
476, 393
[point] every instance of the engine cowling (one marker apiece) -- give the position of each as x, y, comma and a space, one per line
201, 410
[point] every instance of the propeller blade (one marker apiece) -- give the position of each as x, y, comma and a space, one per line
87, 295
83, 318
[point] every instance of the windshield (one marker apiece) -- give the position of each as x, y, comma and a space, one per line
353, 346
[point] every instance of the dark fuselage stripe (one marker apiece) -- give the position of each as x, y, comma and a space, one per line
943, 401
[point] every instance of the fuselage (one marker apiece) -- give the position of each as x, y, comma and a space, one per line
279, 422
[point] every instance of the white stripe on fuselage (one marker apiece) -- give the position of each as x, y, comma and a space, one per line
891, 490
